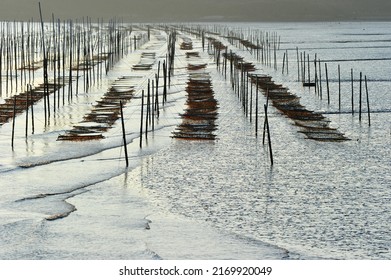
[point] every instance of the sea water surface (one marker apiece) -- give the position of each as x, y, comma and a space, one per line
217, 199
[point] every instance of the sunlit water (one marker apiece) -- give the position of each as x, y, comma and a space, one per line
213, 200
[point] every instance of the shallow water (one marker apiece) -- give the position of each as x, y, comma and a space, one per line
212, 200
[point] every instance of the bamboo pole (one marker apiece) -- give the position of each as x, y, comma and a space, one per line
27, 112
148, 116
16, 59
225, 65
13, 124
157, 96
369, 112
351, 76
153, 105
47, 84
359, 110
7, 64
339, 88
327, 83
309, 69
251, 100
268, 136
23, 57
1, 67
298, 64
275, 56
265, 124
247, 80
45, 67
256, 110
29, 61
32, 109
164, 81
59, 61
287, 63
124, 135
70, 93
54, 61
320, 80
141, 119
304, 69
316, 76
78, 62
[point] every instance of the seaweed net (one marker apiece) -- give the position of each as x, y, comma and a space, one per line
198, 120
103, 115
314, 125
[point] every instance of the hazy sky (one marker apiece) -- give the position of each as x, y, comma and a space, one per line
200, 10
